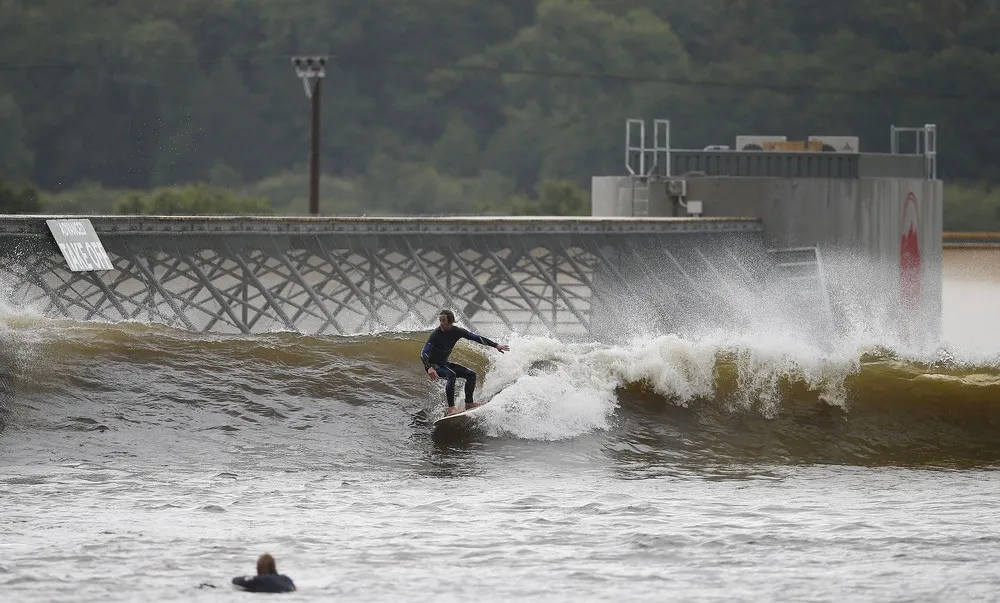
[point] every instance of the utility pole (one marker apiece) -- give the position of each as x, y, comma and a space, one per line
311, 70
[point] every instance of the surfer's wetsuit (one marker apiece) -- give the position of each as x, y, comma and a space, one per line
435, 354
268, 583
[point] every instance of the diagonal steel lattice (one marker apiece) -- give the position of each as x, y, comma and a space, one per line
349, 276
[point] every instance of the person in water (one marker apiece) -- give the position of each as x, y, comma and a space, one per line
435, 358
267, 580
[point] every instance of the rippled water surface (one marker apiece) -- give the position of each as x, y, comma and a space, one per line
142, 463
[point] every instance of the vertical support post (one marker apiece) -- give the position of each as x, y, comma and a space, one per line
633, 151
371, 290
553, 251
314, 149
930, 150
245, 290
312, 70
925, 144
661, 145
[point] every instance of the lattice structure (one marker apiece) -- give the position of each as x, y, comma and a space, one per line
352, 276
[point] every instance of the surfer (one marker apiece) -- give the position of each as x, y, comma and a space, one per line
435, 358
267, 580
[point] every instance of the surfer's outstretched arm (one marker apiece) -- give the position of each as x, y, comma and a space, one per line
486, 341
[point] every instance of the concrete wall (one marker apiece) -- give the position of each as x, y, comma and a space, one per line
605, 200
855, 215
863, 219
611, 196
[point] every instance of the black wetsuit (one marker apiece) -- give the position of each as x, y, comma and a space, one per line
268, 583
436, 351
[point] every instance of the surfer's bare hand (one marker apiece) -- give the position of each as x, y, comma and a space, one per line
502, 348
432, 374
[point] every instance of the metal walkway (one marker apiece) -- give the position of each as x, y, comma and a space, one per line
348, 276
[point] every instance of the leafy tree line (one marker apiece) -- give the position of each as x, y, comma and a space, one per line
966, 208
473, 106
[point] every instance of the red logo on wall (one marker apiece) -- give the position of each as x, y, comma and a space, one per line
909, 253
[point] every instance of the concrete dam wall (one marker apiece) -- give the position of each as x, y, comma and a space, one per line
873, 221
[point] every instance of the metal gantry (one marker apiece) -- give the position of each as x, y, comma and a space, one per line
348, 276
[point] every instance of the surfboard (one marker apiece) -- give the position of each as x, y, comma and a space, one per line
460, 419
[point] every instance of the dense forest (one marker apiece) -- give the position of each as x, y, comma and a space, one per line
441, 106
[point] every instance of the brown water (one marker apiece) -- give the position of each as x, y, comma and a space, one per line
142, 463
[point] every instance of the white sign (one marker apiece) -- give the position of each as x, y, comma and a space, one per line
80, 245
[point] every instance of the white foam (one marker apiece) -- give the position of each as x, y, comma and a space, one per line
545, 389
551, 390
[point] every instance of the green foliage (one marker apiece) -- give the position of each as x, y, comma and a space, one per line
971, 208
16, 159
15, 200
288, 193
418, 188
221, 175
88, 197
457, 151
555, 198
190, 201
465, 106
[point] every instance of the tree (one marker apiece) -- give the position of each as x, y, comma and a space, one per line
437, 97
15, 158
580, 118
555, 198
14, 200
972, 208
456, 153
190, 200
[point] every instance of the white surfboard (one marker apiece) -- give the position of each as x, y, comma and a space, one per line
460, 419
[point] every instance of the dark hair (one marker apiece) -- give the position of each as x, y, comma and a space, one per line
266, 565
449, 314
